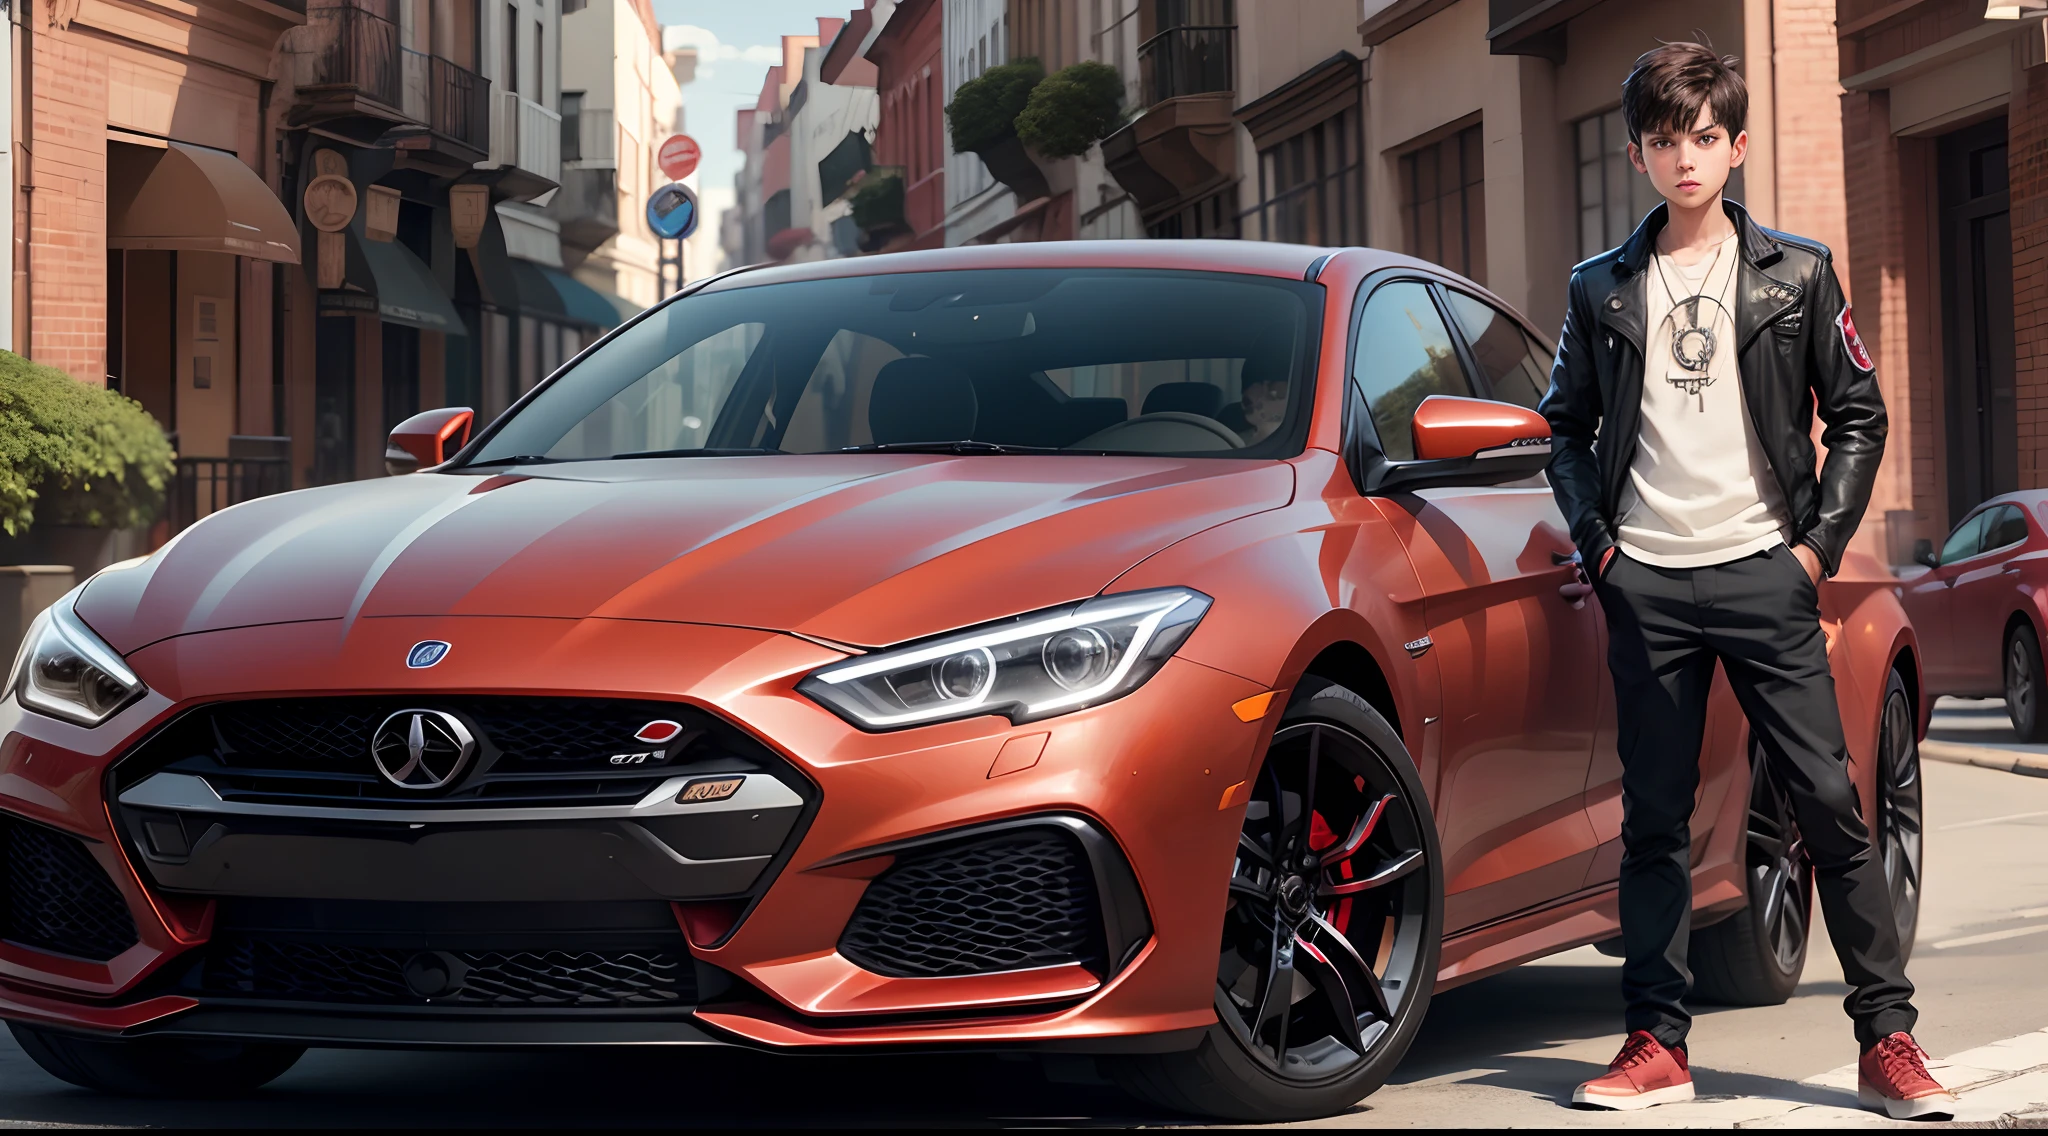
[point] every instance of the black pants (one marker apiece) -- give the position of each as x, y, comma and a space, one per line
1760, 618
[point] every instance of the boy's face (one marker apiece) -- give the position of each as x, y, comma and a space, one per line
1690, 168
1265, 404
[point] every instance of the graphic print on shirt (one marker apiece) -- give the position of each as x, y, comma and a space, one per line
1852, 342
1693, 325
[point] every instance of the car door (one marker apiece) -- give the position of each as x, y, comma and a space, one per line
1515, 640
1930, 602
1981, 595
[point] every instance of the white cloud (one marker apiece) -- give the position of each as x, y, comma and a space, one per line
709, 48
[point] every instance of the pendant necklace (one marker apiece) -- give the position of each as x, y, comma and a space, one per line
1692, 342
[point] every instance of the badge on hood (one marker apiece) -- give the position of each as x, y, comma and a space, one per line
1852, 342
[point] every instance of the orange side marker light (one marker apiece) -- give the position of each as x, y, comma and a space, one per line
1234, 796
1254, 708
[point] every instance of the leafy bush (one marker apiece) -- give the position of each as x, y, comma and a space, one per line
878, 199
984, 110
1072, 110
72, 454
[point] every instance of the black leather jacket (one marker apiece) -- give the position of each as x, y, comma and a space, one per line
1797, 347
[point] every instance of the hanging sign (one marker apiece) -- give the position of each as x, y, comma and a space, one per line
672, 211
678, 157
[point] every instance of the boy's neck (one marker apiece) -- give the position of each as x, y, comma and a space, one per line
1690, 233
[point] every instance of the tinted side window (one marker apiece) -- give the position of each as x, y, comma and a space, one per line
1966, 540
1404, 356
1515, 368
2008, 527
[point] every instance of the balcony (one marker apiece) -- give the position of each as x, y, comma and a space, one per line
345, 64
526, 146
587, 208
1184, 146
1186, 61
452, 107
589, 138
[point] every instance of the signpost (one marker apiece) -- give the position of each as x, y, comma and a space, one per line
673, 215
678, 157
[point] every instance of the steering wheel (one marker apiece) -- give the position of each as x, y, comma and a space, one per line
1165, 432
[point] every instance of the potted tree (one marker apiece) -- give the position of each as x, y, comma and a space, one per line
1072, 110
876, 205
983, 119
81, 468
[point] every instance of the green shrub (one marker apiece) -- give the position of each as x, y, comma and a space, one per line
72, 454
984, 110
878, 199
1075, 108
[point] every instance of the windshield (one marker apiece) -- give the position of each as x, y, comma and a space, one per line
989, 361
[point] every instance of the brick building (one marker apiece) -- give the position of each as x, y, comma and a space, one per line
1945, 127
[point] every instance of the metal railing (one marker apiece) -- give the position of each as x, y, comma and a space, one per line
459, 103
202, 486
1191, 60
416, 78
351, 44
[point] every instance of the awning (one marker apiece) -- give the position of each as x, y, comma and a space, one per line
392, 284
627, 308
582, 302
194, 199
537, 297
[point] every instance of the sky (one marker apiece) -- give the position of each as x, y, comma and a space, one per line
737, 41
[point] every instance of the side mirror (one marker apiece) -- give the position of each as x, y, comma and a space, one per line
1470, 441
1923, 553
427, 438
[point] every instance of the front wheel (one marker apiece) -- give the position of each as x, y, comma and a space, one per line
1332, 928
1755, 956
149, 1068
2024, 681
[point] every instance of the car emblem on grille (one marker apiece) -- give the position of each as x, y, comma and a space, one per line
658, 731
426, 654
421, 749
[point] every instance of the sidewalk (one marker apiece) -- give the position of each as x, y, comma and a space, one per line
1974, 732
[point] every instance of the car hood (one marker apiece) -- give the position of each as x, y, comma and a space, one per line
859, 549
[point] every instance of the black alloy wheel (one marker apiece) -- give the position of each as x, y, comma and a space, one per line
1331, 925
1755, 956
1899, 808
2024, 695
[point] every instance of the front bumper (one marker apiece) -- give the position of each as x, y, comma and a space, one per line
1147, 778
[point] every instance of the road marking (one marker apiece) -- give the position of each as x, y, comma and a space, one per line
1990, 937
1991, 821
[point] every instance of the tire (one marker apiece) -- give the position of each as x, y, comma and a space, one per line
2026, 688
1899, 812
1363, 928
155, 1068
1755, 956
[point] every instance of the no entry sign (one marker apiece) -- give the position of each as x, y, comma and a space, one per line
678, 157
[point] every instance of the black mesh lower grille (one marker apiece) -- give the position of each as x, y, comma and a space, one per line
1007, 902
286, 970
58, 899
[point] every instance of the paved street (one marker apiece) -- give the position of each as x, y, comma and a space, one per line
1497, 1053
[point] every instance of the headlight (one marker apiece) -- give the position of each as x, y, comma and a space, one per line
1034, 666
64, 670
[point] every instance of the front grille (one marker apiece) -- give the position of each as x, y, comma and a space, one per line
289, 970
58, 899
1006, 902
530, 751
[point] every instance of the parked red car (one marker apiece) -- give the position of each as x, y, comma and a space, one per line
1981, 607
1166, 650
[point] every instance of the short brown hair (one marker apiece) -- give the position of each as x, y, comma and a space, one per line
1669, 85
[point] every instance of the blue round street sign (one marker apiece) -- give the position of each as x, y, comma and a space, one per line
672, 211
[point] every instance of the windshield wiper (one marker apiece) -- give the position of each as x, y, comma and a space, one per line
962, 446
698, 452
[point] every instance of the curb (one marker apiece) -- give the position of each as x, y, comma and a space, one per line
1987, 757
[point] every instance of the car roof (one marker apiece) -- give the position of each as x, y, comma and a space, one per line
1261, 258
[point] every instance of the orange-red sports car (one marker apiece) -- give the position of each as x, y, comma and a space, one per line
1168, 651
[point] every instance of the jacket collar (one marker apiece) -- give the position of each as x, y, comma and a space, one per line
1758, 248
1759, 297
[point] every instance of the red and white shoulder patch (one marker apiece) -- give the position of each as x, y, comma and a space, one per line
1852, 342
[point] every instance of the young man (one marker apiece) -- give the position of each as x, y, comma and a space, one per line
1681, 406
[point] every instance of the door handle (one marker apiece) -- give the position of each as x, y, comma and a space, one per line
1563, 558
2010, 570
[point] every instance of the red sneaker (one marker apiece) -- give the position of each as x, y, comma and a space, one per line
1892, 1078
1643, 1073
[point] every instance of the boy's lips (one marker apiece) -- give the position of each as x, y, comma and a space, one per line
1688, 186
